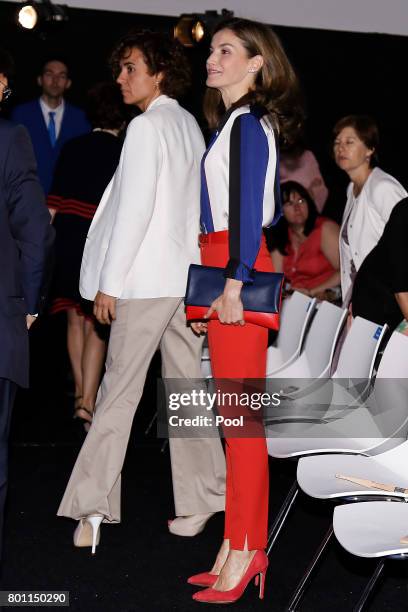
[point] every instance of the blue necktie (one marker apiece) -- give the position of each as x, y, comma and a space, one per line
51, 128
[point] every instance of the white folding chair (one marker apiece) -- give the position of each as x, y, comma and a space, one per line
372, 530
348, 386
321, 438
317, 354
374, 426
387, 408
360, 348
296, 313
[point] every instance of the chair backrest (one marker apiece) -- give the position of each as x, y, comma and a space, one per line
360, 348
322, 338
394, 362
389, 397
295, 316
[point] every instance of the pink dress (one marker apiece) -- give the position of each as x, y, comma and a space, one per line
305, 170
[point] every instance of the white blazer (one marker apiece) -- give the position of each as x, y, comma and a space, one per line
145, 231
366, 220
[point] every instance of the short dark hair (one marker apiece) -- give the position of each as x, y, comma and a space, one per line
161, 54
6, 63
53, 58
105, 107
367, 130
278, 236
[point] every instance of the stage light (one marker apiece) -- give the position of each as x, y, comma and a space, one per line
198, 31
36, 14
28, 17
194, 28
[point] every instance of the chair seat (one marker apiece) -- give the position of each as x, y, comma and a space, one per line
285, 448
291, 440
316, 476
372, 529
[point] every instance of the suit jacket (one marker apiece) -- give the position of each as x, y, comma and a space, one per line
366, 218
25, 238
74, 123
145, 231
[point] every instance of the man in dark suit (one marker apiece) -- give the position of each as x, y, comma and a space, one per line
25, 238
50, 120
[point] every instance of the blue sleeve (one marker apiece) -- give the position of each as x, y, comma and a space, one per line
17, 116
249, 156
28, 215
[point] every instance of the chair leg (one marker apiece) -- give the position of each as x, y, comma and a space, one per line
281, 517
304, 583
370, 587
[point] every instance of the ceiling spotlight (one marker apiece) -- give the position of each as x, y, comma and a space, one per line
193, 28
198, 31
37, 13
28, 17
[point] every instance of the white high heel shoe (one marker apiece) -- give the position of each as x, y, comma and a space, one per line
87, 532
189, 526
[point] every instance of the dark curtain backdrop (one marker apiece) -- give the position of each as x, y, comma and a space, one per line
340, 72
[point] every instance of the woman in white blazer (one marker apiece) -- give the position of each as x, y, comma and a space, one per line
139, 247
371, 194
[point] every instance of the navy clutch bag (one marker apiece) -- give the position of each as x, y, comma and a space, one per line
261, 300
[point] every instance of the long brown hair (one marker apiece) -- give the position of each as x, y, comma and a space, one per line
276, 85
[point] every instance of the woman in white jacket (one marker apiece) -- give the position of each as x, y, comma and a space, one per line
141, 242
371, 194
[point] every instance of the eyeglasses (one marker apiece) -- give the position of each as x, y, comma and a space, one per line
6, 91
293, 202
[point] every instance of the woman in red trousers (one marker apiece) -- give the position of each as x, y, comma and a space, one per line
253, 96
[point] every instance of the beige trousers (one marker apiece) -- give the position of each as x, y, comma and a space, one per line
198, 465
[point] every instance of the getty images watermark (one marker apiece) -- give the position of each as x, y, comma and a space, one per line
298, 408
233, 407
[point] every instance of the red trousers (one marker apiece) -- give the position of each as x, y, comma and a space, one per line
239, 352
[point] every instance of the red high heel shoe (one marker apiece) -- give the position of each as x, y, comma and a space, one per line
258, 566
205, 579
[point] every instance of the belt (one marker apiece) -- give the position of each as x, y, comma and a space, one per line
214, 237
220, 238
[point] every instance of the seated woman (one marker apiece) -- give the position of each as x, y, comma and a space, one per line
305, 245
380, 290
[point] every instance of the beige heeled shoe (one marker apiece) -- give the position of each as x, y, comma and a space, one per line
189, 526
87, 532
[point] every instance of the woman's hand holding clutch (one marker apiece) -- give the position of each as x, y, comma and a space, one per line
229, 304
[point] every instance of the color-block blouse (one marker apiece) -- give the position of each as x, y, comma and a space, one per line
239, 189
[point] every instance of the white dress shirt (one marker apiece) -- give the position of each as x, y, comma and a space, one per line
145, 231
366, 217
58, 114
